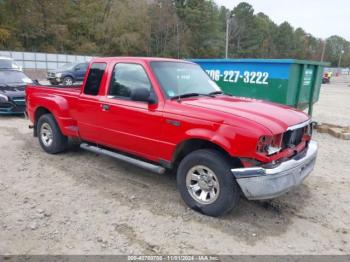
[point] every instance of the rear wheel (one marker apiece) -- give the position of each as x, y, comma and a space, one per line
206, 183
50, 137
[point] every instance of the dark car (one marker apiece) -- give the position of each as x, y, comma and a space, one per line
8, 63
67, 74
12, 95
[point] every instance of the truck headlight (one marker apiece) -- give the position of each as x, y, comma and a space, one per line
58, 74
269, 145
3, 98
309, 129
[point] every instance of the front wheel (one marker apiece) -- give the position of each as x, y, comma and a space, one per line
50, 137
206, 183
68, 81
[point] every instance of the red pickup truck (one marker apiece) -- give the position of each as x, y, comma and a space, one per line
164, 114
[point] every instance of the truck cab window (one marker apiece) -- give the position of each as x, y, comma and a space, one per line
126, 78
93, 81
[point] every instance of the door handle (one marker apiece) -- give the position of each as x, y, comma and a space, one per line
105, 107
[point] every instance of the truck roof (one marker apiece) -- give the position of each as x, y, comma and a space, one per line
136, 59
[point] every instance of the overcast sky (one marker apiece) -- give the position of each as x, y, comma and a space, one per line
320, 18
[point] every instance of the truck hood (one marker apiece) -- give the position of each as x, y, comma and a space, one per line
275, 117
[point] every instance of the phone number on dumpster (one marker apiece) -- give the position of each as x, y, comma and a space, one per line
231, 76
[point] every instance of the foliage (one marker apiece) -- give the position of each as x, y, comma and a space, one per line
171, 28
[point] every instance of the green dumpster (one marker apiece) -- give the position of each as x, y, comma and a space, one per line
286, 81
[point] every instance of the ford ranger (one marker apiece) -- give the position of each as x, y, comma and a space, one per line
166, 114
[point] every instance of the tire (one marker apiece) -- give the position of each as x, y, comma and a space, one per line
210, 162
68, 81
50, 137
53, 82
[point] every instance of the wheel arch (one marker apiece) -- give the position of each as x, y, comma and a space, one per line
69, 75
38, 113
188, 146
42, 110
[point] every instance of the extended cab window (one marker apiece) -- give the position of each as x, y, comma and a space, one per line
93, 81
126, 78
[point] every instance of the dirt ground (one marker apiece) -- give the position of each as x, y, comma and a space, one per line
81, 203
334, 104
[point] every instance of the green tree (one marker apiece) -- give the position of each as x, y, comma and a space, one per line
337, 46
285, 41
267, 29
167, 32
202, 20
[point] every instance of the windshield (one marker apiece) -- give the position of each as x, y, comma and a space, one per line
8, 64
13, 77
180, 78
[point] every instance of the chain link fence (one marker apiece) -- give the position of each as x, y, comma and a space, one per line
42, 61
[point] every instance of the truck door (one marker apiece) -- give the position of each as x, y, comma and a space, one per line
88, 105
128, 125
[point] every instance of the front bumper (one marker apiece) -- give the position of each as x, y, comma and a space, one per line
265, 183
54, 79
15, 106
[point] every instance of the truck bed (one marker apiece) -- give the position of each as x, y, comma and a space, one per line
58, 88
61, 100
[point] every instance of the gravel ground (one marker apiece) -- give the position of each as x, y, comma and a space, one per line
334, 105
81, 203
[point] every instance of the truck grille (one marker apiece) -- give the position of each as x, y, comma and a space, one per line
49, 74
20, 101
292, 138
5, 106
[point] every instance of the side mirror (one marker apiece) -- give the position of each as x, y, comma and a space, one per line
143, 95
77, 68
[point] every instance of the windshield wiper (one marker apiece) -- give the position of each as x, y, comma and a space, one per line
189, 95
215, 93
219, 93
